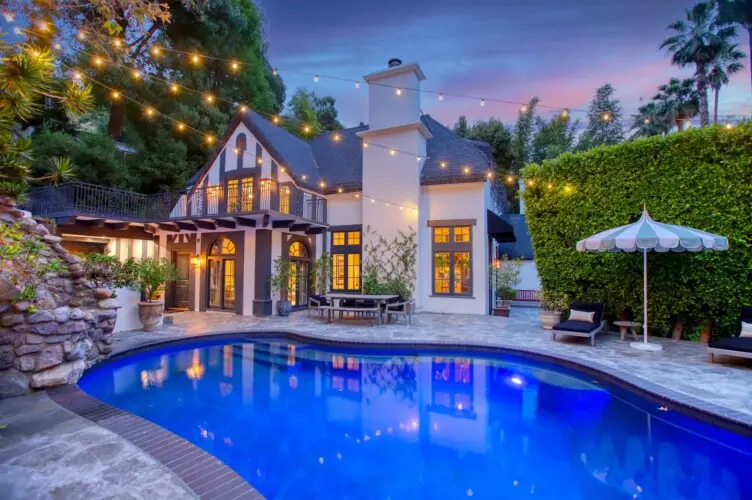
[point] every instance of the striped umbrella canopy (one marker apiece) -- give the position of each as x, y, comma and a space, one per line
648, 235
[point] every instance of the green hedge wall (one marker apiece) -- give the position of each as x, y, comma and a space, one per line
700, 178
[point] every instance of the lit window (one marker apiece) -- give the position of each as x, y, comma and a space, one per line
353, 238
441, 235
297, 249
461, 234
284, 200
338, 271
338, 239
338, 362
353, 364
462, 272
353, 271
441, 272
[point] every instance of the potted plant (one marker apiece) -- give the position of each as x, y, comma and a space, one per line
505, 275
552, 305
280, 283
151, 275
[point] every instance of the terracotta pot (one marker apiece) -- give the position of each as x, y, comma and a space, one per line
284, 307
549, 318
150, 314
501, 311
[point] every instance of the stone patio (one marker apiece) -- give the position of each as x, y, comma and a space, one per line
679, 372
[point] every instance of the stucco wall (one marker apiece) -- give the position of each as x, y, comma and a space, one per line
451, 202
344, 209
529, 279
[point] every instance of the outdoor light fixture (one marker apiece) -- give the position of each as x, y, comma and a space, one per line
195, 261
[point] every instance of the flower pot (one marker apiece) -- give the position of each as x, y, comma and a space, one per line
501, 311
549, 318
150, 314
284, 307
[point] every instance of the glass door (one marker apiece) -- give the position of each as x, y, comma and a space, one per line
215, 283
228, 290
298, 284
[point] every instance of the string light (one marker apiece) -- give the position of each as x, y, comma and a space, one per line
606, 117
550, 186
136, 75
306, 129
357, 84
81, 35
98, 61
489, 174
357, 195
274, 72
365, 145
259, 161
398, 91
209, 98
322, 184
234, 65
729, 126
482, 102
180, 126
524, 108
466, 170
77, 76
243, 108
118, 43
195, 59
420, 158
209, 139
174, 87
275, 119
315, 78
442, 164
115, 95
531, 183
155, 50
565, 113
441, 96
373, 201
510, 179
647, 121
336, 137
339, 190
236, 151
304, 177
149, 111
43, 26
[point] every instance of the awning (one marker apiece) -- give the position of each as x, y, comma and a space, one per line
499, 229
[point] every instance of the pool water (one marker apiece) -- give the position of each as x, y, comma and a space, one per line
307, 421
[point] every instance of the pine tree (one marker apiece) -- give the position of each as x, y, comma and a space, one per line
604, 121
522, 141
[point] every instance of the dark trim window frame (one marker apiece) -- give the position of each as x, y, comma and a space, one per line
452, 246
346, 250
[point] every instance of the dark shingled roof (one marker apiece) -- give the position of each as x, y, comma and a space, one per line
340, 163
523, 247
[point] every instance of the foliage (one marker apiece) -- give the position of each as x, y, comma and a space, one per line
522, 141
604, 120
678, 101
320, 273
504, 276
553, 137
728, 62
282, 274
106, 271
737, 12
700, 41
26, 80
700, 178
390, 266
151, 276
21, 261
552, 300
308, 115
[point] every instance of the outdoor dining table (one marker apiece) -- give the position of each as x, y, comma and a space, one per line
336, 298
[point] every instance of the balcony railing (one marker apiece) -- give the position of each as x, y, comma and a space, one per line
79, 198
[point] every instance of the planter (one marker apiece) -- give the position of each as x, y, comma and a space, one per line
549, 318
284, 307
501, 311
150, 314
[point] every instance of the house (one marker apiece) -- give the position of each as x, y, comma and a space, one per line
266, 194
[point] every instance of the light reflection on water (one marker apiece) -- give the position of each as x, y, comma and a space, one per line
300, 422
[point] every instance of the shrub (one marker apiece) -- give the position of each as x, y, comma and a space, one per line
700, 178
505, 275
151, 275
106, 271
320, 272
389, 266
281, 276
22, 263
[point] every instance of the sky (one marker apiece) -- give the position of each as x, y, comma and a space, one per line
559, 50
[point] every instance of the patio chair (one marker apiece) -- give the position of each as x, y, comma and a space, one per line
738, 346
398, 307
318, 303
582, 328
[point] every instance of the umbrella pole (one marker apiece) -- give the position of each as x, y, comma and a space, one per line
645, 345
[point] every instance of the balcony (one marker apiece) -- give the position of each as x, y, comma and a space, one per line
74, 199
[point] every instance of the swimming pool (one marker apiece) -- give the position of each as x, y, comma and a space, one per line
300, 420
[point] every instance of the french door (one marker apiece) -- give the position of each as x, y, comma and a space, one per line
298, 284
221, 283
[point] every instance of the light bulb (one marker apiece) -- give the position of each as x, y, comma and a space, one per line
316, 78
419, 158
259, 161
77, 75
510, 179
234, 66
98, 61
116, 95
524, 108
550, 186
729, 126
606, 117
80, 35
398, 91
181, 126
274, 72
136, 75
174, 87
209, 98
336, 137
243, 108
275, 119
489, 175
155, 50
322, 184
443, 164
647, 121
194, 59
373, 201
482, 102
209, 139
565, 113
392, 152
149, 112
357, 195
466, 170
441, 97
306, 129
339, 190
531, 182
365, 145
236, 150
118, 42
357, 84
305, 177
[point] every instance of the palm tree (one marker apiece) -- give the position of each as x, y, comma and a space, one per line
727, 63
738, 12
651, 120
699, 40
678, 101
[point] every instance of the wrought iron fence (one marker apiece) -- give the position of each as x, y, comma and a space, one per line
80, 198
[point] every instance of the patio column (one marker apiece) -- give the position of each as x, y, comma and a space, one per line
262, 298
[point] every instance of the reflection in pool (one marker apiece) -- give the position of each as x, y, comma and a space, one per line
304, 421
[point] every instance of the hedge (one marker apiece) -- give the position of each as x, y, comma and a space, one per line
700, 178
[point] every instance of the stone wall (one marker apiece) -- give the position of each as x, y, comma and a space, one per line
67, 328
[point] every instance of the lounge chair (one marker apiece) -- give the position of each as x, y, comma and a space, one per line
582, 328
740, 347
318, 303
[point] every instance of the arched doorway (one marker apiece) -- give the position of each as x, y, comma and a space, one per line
221, 270
300, 261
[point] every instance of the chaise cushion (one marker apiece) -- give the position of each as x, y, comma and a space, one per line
742, 344
598, 309
746, 330
746, 317
585, 316
576, 326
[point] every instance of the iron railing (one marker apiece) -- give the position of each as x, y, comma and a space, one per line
80, 198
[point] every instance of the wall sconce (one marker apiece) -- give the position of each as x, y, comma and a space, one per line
195, 261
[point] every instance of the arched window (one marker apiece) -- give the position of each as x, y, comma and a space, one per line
222, 246
298, 249
240, 146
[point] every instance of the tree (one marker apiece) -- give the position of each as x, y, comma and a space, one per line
699, 41
326, 113
552, 138
460, 128
522, 139
492, 132
308, 115
27, 80
726, 64
678, 101
738, 12
604, 120
651, 120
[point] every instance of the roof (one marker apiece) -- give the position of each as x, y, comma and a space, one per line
340, 162
523, 247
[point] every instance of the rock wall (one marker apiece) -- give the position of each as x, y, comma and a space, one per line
67, 329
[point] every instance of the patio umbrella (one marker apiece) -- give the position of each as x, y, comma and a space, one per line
647, 235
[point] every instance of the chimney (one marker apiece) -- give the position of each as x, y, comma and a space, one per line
394, 62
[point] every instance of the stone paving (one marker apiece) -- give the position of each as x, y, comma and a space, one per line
679, 372
47, 452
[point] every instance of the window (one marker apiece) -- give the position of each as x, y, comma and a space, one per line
346, 260
452, 261
284, 200
240, 146
222, 246
259, 155
297, 249
246, 186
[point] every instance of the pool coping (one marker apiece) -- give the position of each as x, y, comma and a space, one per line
199, 469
